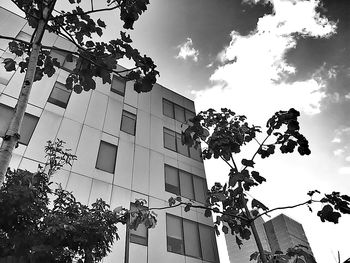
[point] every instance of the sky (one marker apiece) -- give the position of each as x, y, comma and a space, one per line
258, 57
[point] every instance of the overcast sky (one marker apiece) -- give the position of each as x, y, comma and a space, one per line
258, 57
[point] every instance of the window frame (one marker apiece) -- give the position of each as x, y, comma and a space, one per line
25, 117
174, 106
57, 102
193, 176
130, 234
213, 239
121, 93
64, 54
114, 159
125, 114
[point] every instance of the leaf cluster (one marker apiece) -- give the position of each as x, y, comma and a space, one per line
62, 231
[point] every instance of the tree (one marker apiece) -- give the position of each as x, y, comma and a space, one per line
40, 223
93, 59
224, 134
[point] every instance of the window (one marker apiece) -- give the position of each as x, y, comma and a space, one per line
172, 141
128, 124
172, 184
176, 112
28, 125
118, 85
106, 158
62, 59
140, 235
190, 238
168, 108
169, 139
60, 95
5, 76
185, 184
174, 234
23, 36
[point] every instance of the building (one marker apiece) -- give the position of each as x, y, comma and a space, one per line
283, 232
128, 146
242, 255
277, 234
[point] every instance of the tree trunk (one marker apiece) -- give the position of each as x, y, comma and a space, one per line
255, 232
12, 134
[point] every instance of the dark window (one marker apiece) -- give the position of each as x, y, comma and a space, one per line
118, 85
62, 59
176, 112
169, 139
172, 184
172, 141
181, 148
28, 124
174, 234
185, 184
168, 108
60, 95
128, 124
191, 238
179, 113
106, 158
140, 235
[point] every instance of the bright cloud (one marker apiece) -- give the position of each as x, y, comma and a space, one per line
250, 80
186, 50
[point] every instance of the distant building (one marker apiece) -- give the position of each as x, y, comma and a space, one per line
277, 234
237, 255
284, 232
128, 146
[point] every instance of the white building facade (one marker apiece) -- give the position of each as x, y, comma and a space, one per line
128, 147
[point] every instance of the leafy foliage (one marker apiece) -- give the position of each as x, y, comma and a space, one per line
32, 228
224, 134
92, 59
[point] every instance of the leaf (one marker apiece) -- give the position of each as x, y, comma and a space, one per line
101, 23
248, 163
207, 213
257, 177
239, 242
10, 64
225, 229
187, 207
258, 204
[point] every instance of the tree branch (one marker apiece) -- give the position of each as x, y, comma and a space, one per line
286, 207
85, 13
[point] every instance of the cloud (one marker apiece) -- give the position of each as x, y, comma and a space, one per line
251, 80
338, 152
344, 170
186, 50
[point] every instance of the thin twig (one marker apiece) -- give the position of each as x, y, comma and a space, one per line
85, 13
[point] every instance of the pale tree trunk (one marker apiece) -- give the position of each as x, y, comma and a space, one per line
255, 232
12, 134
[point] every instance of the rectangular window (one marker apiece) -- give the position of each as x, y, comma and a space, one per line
128, 123
140, 235
172, 184
181, 148
176, 112
169, 139
190, 238
106, 158
208, 243
62, 59
179, 113
23, 36
174, 234
185, 184
60, 95
168, 108
28, 124
5, 76
172, 141
118, 85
